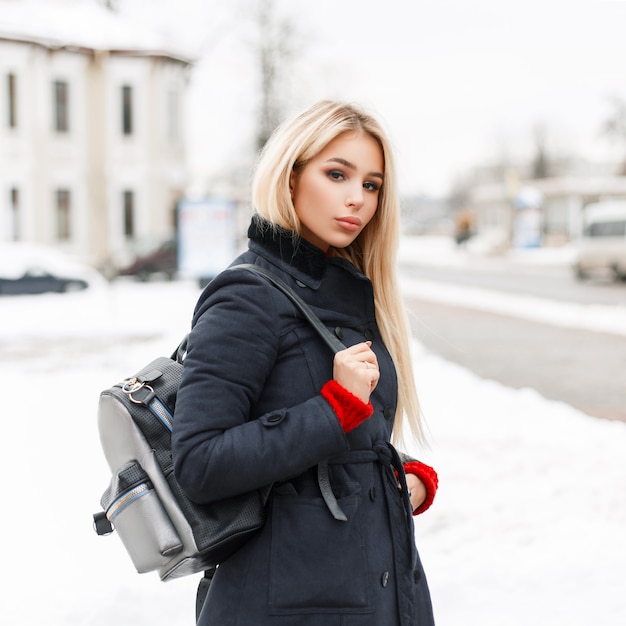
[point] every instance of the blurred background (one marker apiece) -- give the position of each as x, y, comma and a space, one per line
508, 118
128, 133
129, 129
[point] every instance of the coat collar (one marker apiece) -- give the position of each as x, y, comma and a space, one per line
292, 251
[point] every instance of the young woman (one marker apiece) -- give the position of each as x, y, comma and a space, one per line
263, 402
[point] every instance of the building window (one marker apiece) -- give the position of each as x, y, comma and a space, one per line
14, 216
61, 106
63, 214
12, 100
127, 110
128, 200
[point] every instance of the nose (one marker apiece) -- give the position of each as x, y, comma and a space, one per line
355, 197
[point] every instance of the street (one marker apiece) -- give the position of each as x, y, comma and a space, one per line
556, 282
584, 369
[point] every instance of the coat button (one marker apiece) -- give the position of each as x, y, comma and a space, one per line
373, 494
388, 412
369, 334
339, 332
384, 579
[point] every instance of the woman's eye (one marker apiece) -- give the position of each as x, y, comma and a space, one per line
371, 186
336, 175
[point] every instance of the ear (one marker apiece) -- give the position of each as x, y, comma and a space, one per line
292, 183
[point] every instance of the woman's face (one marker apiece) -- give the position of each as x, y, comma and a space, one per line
336, 193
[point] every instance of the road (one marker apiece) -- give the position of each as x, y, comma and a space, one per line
557, 283
584, 369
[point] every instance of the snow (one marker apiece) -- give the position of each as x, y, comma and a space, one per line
84, 24
527, 526
17, 258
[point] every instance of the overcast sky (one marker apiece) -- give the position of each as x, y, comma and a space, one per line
457, 82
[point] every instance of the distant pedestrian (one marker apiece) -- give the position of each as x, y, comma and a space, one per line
464, 226
263, 403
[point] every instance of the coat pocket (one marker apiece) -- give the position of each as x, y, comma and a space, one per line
317, 564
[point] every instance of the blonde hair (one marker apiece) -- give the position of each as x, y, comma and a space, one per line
290, 147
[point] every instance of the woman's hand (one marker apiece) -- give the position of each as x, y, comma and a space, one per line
417, 489
356, 370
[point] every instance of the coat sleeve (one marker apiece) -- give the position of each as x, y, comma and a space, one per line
426, 474
218, 449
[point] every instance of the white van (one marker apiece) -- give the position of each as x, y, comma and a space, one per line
602, 246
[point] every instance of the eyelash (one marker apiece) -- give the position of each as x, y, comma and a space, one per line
339, 175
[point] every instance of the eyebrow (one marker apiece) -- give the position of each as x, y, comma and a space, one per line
352, 166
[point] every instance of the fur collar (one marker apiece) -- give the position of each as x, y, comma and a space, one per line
288, 247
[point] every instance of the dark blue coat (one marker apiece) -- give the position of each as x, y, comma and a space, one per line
249, 413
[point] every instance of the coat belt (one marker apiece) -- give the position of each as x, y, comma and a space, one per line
383, 452
323, 480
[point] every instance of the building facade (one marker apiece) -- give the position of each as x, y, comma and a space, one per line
92, 154
525, 212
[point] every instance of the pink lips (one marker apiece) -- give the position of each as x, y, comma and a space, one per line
349, 223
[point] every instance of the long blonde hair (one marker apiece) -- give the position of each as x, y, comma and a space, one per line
290, 147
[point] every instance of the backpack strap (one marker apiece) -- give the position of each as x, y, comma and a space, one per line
203, 590
331, 341
323, 478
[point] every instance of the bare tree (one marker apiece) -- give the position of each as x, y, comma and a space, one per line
112, 5
541, 163
614, 126
275, 50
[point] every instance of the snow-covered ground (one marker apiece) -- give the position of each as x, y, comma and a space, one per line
528, 525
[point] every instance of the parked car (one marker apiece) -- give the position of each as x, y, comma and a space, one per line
32, 269
162, 260
602, 246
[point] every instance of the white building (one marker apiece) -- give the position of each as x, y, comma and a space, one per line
92, 157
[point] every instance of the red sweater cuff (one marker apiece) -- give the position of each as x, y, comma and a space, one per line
350, 410
430, 479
